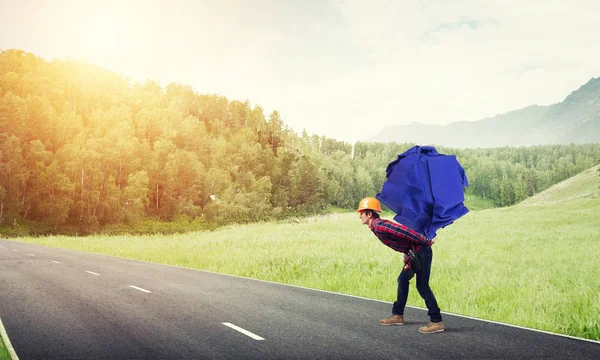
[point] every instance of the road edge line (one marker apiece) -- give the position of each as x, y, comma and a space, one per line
9, 347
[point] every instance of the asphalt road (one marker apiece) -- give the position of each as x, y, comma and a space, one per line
62, 304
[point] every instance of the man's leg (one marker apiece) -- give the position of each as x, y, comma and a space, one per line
397, 317
400, 303
426, 257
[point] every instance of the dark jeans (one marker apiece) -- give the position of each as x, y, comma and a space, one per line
425, 255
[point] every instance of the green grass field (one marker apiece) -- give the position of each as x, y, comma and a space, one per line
534, 264
4, 355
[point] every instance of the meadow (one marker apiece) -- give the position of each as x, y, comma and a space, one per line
4, 355
534, 264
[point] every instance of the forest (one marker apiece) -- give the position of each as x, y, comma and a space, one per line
84, 149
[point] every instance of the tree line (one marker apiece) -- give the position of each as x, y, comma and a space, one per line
83, 147
504, 175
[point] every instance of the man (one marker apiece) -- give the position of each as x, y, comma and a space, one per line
402, 239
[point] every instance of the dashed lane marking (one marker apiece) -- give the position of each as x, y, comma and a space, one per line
93, 273
243, 331
31, 255
140, 289
56, 262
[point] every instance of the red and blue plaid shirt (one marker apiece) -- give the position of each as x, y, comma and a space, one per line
397, 236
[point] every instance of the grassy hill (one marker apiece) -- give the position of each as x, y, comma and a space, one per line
581, 187
534, 264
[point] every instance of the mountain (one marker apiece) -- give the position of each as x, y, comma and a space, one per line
574, 120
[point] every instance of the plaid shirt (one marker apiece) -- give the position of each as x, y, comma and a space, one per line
397, 236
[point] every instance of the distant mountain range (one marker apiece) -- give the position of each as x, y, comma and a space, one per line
574, 120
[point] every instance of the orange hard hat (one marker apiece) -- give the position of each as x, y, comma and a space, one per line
369, 203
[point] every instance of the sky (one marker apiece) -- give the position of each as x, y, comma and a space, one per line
343, 69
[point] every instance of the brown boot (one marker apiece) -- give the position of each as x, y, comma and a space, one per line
393, 320
432, 328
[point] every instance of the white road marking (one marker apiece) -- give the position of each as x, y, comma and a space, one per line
4, 336
93, 273
140, 289
15, 250
243, 331
31, 255
56, 262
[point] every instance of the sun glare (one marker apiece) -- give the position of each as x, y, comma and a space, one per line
103, 35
